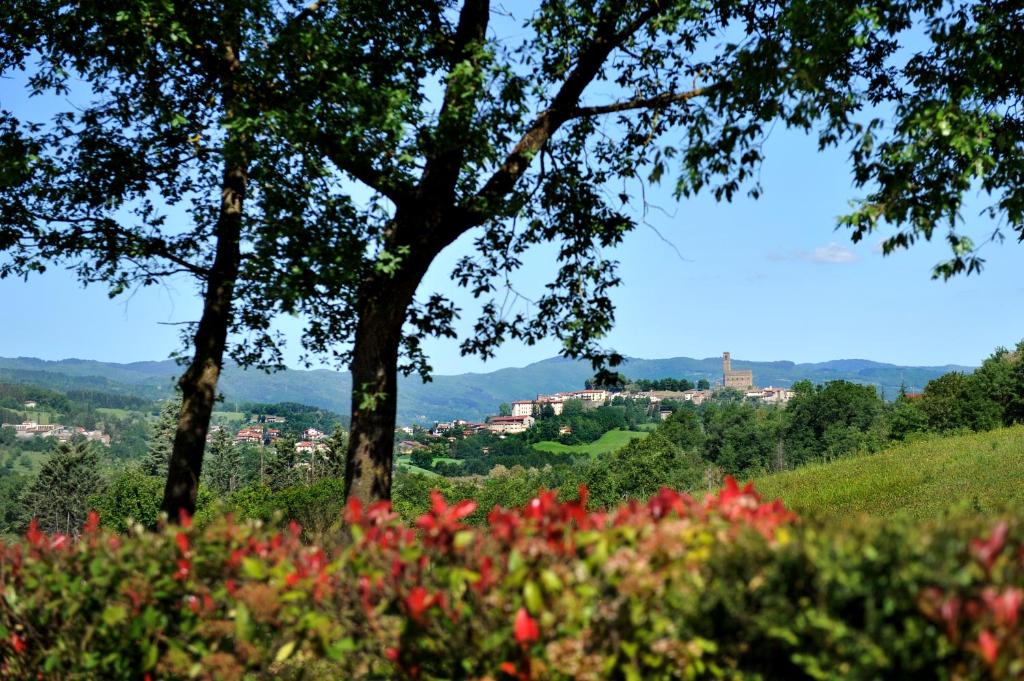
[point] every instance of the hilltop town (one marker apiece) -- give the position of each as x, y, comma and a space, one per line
523, 414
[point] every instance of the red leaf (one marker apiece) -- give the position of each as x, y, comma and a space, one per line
463, 509
437, 503
416, 602
1005, 606
526, 629
987, 550
988, 645
33, 535
353, 511
17, 643
92, 523
182, 540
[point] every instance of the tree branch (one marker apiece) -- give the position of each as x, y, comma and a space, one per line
561, 109
442, 168
655, 102
359, 168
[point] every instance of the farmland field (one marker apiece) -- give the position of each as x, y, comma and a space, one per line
609, 442
976, 473
403, 463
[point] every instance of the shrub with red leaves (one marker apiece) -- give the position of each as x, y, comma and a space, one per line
674, 588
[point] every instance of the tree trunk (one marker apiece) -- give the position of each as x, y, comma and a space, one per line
370, 454
199, 382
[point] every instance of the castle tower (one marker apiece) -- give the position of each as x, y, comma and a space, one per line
726, 366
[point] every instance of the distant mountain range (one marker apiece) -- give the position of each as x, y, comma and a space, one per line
469, 396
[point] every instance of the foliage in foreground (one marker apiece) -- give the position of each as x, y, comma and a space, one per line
676, 588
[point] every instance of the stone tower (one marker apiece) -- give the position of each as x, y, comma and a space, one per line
740, 380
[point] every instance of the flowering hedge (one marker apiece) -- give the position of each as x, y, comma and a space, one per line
674, 588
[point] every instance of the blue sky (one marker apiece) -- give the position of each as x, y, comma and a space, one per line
768, 279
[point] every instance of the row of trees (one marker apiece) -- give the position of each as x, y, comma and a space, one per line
211, 141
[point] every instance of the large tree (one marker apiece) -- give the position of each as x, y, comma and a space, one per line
545, 132
175, 139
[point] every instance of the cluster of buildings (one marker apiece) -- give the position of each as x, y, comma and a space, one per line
62, 433
524, 413
313, 440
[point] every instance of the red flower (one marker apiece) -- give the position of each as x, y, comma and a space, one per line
92, 523
392, 654
987, 550
184, 519
526, 629
508, 668
988, 645
183, 569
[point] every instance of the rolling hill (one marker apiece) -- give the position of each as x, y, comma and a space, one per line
470, 396
976, 473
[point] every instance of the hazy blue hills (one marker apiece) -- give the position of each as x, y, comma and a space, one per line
470, 396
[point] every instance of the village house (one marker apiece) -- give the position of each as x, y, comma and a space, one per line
770, 395
313, 435
556, 402
249, 436
406, 447
307, 447
31, 404
509, 425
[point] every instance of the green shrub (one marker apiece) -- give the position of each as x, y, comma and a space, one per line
728, 587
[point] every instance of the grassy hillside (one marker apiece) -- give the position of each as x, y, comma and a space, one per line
609, 442
981, 472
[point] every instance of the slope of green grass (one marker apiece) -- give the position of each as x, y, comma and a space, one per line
403, 463
609, 442
976, 473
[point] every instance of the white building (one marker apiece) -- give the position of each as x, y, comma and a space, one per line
522, 408
313, 435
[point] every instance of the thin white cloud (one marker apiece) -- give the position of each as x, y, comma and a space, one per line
831, 254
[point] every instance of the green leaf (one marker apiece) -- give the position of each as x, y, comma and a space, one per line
114, 615
285, 651
243, 623
253, 568
532, 596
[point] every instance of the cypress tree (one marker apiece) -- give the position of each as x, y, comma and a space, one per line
223, 473
161, 441
59, 498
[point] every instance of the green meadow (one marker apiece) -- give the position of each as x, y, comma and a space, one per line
609, 442
927, 479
